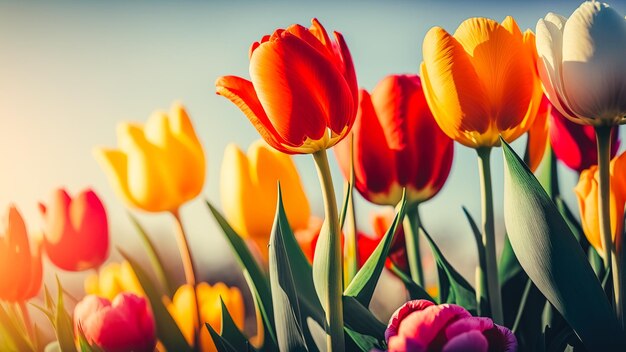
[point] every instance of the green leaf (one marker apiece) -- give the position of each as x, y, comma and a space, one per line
231, 332
284, 296
167, 330
482, 304
156, 261
221, 343
363, 342
359, 319
254, 275
63, 326
415, 291
363, 285
9, 330
453, 288
553, 259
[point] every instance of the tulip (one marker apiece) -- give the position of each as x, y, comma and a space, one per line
125, 324
20, 267
302, 96
249, 188
397, 144
159, 166
421, 325
538, 136
76, 235
574, 144
113, 279
183, 309
587, 192
582, 63
481, 82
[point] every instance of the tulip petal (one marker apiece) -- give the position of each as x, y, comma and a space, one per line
594, 47
115, 165
471, 341
241, 92
300, 90
425, 325
347, 68
453, 89
15, 258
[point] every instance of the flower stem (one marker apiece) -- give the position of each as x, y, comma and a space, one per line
489, 237
611, 258
352, 243
333, 263
412, 229
188, 267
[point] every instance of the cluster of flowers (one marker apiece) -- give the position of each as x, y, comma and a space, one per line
486, 85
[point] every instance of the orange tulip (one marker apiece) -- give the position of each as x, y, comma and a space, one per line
302, 96
20, 268
397, 144
76, 234
538, 135
587, 192
183, 310
482, 81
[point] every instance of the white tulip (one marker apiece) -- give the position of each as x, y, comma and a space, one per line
583, 63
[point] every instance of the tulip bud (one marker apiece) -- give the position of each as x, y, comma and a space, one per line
421, 325
302, 96
159, 166
582, 63
20, 267
113, 279
396, 144
76, 235
126, 324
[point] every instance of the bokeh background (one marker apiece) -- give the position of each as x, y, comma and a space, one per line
69, 71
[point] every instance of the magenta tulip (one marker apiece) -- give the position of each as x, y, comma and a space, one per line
421, 325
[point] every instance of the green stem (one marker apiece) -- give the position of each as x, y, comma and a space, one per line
611, 258
190, 272
489, 237
412, 228
352, 243
331, 299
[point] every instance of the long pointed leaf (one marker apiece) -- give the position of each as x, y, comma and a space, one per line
284, 296
363, 285
167, 330
11, 332
63, 323
254, 275
231, 332
553, 259
221, 343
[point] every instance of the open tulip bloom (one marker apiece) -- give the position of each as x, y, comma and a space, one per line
558, 284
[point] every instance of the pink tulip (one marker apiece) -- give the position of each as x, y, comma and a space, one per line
127, 324
76, 234
421, 325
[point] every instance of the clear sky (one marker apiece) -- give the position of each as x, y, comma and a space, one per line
69, 71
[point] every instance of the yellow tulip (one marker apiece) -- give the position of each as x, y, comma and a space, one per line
113, 278
587, 192
158, 166
182, 307
249, 191
481, 82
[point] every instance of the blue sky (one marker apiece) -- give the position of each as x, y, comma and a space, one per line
71, 70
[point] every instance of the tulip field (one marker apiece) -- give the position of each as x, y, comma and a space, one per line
551, 277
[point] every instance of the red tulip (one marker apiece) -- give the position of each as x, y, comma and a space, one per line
397, 144
302, 96
574, 144
20, 269
421, 325
76, 231
126, 324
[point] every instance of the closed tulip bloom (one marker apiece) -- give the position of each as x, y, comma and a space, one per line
481, 82
582, 63
20, 266
158, 166
249, 189
302, 96
396, 144
125, 324
183, 309
575, 145
587, 193
76, 231
421, 325
113, 279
